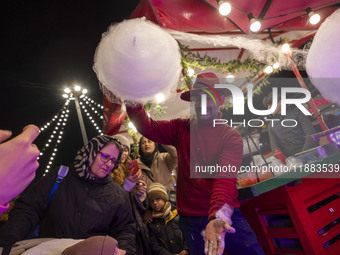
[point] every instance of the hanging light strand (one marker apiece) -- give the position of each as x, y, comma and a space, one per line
55, 138
55, 117
86, 109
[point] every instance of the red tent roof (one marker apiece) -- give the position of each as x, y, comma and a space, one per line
199, 16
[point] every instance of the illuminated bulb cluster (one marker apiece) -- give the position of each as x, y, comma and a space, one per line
56, 136
89, 106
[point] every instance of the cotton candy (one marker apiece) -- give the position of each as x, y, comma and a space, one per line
136, 59
323, 59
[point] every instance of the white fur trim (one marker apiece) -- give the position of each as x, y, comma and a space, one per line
225, 213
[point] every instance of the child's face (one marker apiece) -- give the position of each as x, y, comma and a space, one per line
157, 204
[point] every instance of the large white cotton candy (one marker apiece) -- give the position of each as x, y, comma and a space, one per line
136, 59
323, 59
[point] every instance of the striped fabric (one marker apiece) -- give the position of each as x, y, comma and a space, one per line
86, 155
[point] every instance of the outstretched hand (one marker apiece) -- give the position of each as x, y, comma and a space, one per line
18, 162
214, 236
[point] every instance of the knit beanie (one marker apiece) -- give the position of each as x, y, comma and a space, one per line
157, 190
95, 245
123, 140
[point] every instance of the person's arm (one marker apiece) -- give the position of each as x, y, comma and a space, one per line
163, 132
18, 162
171, 157
224, 194
122, 226
308, 130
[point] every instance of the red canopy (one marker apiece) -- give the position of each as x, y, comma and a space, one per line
199, 16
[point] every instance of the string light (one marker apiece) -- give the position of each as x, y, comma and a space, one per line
160, 98
191, 72
55, 136
286, 49
268, 69
314, 18
87, 102
230, 78
255, 24
276, 65
224, 7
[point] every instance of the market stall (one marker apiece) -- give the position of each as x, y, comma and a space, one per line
294, 210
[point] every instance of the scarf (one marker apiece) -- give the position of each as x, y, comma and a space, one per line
147, 159
86, 155
164, 213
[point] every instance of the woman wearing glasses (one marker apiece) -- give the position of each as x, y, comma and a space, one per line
86, 203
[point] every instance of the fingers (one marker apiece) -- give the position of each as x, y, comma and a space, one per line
29, 133
229, 229
206, 246
4, 135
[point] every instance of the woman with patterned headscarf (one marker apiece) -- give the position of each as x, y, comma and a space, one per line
86, 203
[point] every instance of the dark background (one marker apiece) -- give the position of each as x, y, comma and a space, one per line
46, 46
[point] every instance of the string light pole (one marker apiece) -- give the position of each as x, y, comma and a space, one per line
74, 94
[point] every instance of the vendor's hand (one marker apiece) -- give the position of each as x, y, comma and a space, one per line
142, 187
135, 178
148, 216
214, 236
18, 162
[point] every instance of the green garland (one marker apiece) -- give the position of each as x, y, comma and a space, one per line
198, 62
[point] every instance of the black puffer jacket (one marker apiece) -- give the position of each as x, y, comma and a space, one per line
166, 238
78, 209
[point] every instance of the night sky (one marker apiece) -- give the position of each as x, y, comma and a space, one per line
46, 46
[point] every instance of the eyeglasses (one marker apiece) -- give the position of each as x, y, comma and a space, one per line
105, 158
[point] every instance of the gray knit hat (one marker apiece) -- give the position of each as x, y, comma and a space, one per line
157, 190
123, 140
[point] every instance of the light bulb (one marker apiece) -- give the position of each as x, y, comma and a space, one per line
268, 69
255, 25
191, 72
67, 90
314, 18
276, 65
160, 98
132, 126
285, 48
224, 8
230, 78
77, 88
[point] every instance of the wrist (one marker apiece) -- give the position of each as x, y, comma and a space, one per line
128, 185
225, 213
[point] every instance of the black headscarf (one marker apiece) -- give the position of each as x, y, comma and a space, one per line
147, 159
